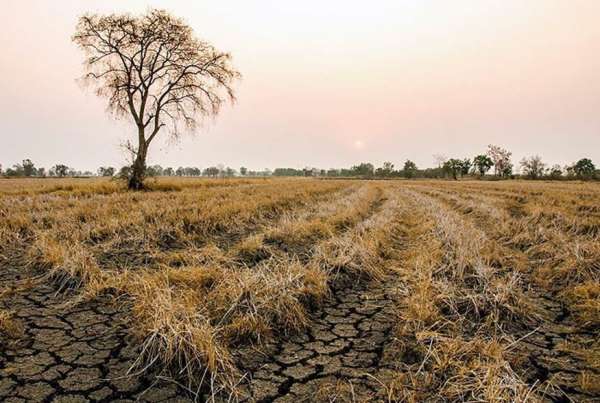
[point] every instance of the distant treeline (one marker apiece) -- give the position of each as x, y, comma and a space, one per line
494, 164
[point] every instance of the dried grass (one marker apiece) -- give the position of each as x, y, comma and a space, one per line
207, 265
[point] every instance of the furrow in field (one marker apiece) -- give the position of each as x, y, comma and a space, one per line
252, 303
189, 310
96, 236
189, 316
451, 343
295, 236
341, 354
560, 351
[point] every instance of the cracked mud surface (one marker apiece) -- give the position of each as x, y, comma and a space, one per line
340, 356
549, 343
72, 353
82, 352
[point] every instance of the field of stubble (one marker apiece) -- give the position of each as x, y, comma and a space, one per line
299, 290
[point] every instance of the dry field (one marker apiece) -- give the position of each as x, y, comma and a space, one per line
304, 290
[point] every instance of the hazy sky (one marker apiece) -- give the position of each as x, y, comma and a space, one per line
327, 83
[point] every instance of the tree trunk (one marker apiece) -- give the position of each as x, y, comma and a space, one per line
136, 179
138, 170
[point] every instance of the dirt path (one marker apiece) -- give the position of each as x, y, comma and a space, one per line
71, 353
340, 358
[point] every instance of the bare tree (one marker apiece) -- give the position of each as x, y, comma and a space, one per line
533, 167
440, 160
501, 159
153, 69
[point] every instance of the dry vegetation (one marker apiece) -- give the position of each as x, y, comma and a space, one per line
205, 266
484, 261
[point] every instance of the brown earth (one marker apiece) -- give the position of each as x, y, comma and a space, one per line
552, 342
72, 352
341, 356
84, 352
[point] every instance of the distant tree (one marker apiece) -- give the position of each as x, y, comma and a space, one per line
229, 172
152, 171
60, 170
155, 170
212, 172
180, 171
153, 69
243, 171
533, 167
584, 169
124, 172
453, 167
569, 171
332, 172
465, 167
41, 172
386, 170
440, 160
106, 171
555, 172
28, 168
410, 169
501, 160
168, 172
364, 169
482, 164
284, 172
307, 171
192, 171
16, 170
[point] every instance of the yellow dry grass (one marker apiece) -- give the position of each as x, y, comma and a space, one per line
10, 328
208, 264
205, 265
477, 257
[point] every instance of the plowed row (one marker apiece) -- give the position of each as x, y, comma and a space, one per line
281, 290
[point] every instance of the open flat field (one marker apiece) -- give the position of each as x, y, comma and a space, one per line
299, 290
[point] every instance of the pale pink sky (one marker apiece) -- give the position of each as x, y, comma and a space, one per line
327, 83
